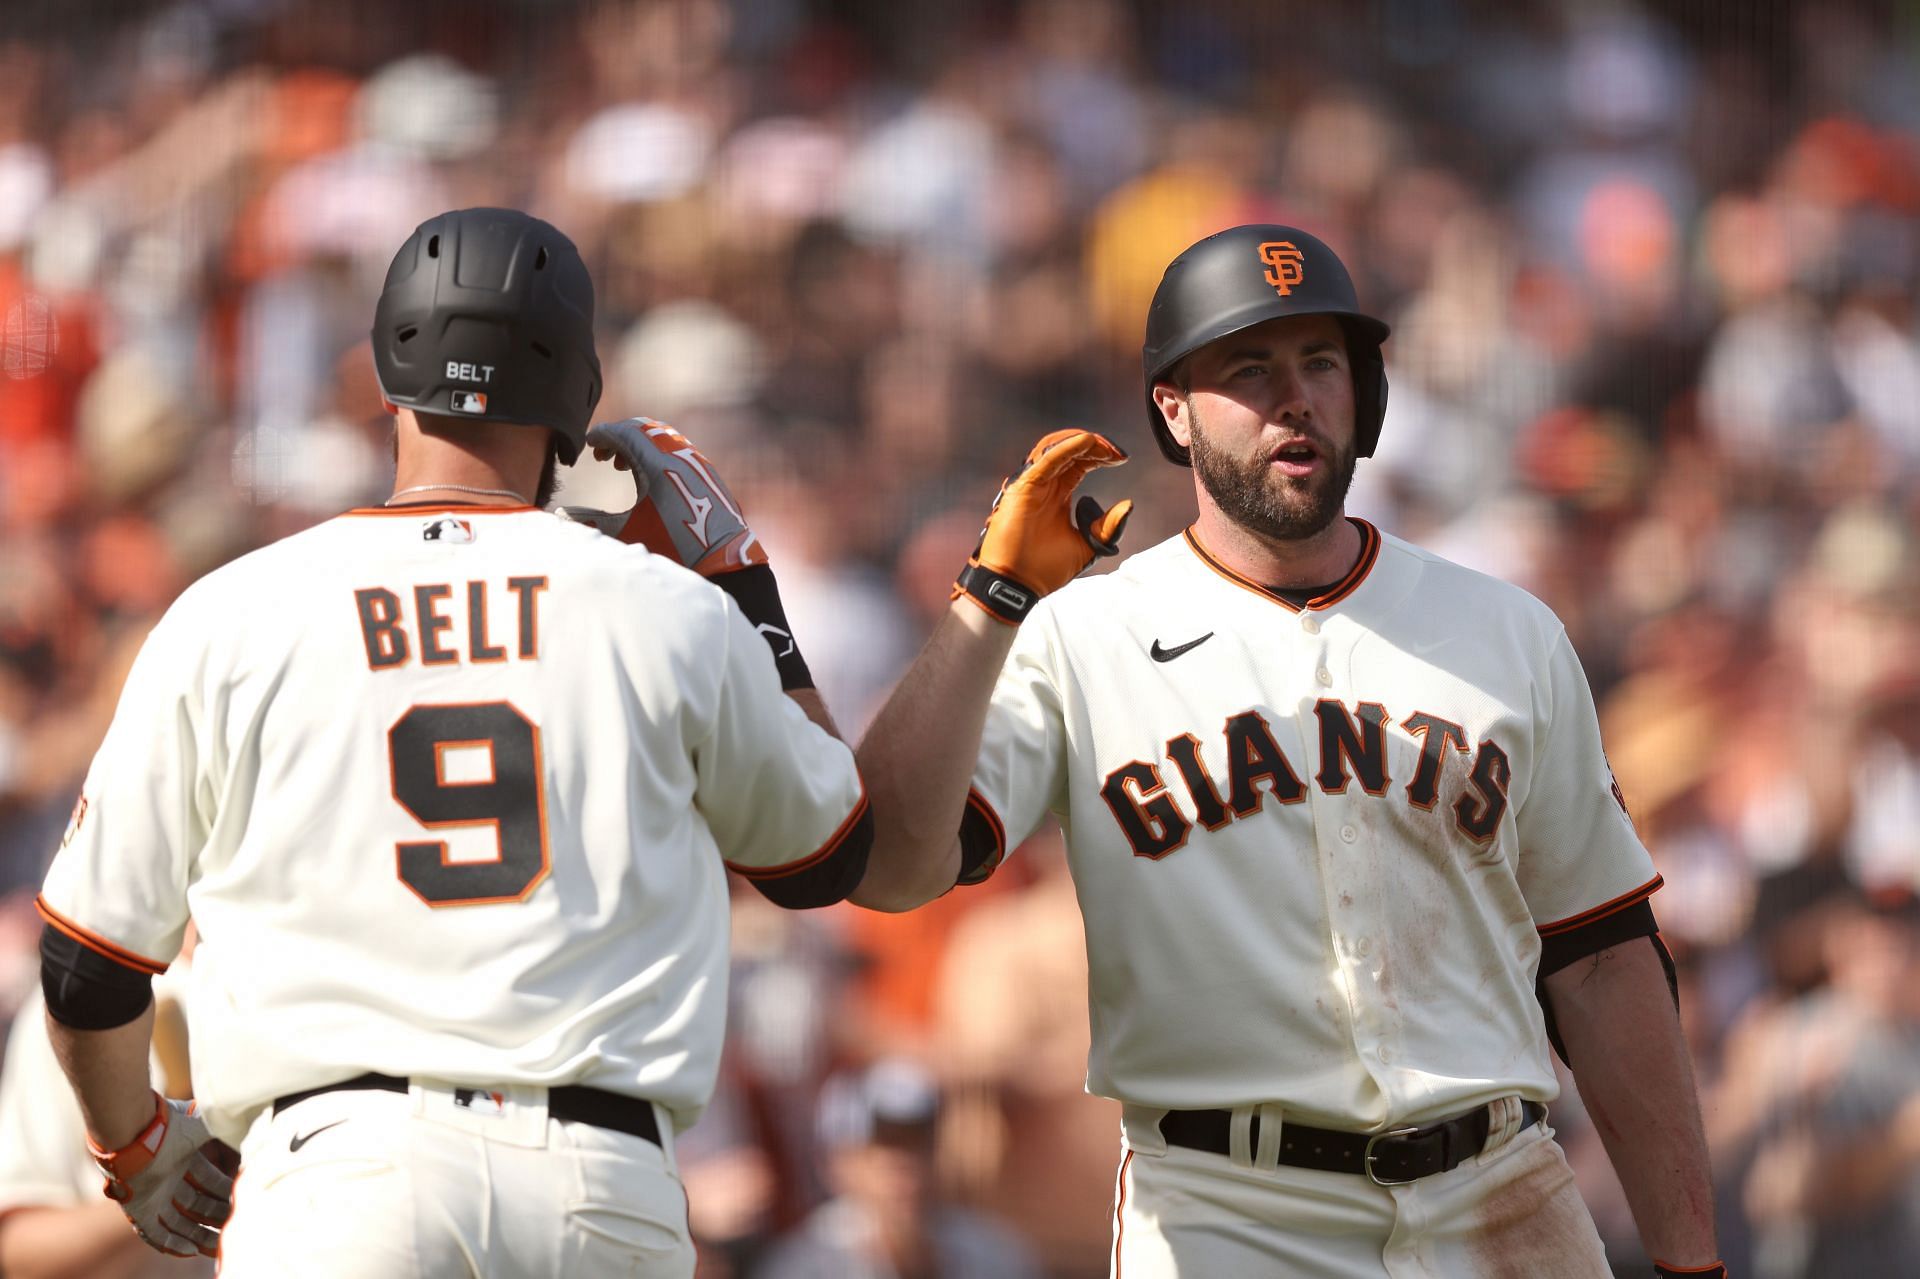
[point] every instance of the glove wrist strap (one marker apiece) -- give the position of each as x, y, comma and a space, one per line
1006, 599
140, 1151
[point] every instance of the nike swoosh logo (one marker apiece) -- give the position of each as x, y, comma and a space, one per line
1168, 654
298, 1141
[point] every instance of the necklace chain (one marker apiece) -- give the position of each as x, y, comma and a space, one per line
457, 488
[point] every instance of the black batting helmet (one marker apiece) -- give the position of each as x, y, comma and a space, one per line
1247, 275
488, 313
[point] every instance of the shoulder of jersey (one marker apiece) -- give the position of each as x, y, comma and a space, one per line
246, 574
654, 586
578, 547
610, 555
1145, 568
1455, 588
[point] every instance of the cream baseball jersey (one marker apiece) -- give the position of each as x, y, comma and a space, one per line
448, 792
1317, 847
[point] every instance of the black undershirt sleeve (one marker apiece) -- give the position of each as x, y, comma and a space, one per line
758, 595
1570, 947
828, 879
983, 843
85, 989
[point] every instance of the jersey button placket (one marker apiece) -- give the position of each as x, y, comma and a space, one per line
1312, 623
1334, 837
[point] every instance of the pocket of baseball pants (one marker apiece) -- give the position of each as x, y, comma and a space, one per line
628, 1215
620, 1241
623, 1228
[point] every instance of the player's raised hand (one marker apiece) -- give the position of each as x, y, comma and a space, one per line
1037, 538
174, 1181
684, 511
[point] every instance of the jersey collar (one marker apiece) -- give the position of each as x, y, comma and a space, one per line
1369, 555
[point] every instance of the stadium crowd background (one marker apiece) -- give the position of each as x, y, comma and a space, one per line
1653, 272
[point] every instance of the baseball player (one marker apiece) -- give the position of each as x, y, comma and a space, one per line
449, 787
1346, 845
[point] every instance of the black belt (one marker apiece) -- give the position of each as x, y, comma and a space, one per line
1393, 1157
571, 1102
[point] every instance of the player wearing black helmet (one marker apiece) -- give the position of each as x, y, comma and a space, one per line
451, 787
1339, 822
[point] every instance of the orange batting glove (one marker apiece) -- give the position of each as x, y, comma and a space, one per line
1037, 539
685, 511
686, 514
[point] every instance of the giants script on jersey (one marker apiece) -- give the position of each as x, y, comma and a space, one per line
1156, 824
394, 635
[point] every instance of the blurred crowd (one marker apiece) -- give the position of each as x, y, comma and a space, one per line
1653, 270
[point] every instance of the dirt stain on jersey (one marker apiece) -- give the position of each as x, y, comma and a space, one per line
1534, 1225
1422, 919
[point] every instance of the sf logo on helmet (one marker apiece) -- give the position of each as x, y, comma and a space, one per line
1284, 264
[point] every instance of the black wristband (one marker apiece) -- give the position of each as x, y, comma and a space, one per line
758, 596
1000, 595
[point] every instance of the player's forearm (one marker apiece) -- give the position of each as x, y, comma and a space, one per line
919, 754
110, 1075
810, 701
1630, 1061
90, 1241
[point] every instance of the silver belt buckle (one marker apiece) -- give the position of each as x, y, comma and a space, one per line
1368, 1158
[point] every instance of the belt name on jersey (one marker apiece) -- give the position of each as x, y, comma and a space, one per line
1353, 746
394, 636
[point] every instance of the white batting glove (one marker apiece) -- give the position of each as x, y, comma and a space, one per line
684, 510
167, 1182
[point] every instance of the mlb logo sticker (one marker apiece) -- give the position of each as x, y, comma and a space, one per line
447, 529
481, 1101
468, 402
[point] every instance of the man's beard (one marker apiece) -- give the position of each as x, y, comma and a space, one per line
1259, 499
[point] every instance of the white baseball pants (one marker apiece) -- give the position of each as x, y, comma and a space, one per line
1512, 1210
365, 1184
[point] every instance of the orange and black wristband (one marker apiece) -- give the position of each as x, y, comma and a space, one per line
1712, 1270
1006, 599
758, 596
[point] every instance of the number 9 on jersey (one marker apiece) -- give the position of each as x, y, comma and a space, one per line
465, 765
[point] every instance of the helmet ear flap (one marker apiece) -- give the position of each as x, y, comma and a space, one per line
1369, 401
